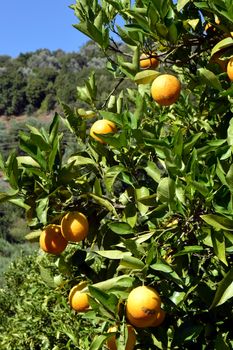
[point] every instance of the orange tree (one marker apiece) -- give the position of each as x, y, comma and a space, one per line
157, 191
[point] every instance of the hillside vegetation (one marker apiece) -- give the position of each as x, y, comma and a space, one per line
37, 81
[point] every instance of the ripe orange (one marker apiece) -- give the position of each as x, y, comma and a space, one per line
102, 126
131, 340
74, 226
51, 240
153, 321
78, 300
148, 61
143, 302
143, 322
230, 69
165, 89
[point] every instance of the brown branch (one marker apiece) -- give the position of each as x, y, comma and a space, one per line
112, 92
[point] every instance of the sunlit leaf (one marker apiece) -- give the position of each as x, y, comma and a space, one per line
181, 4
146, 77
218, 222
224, 291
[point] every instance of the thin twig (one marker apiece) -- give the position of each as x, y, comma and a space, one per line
112, 92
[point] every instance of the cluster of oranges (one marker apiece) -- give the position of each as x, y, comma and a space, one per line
165, 88
143, 305
74, 228
142, 309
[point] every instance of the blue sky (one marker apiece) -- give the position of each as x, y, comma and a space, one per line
28, 25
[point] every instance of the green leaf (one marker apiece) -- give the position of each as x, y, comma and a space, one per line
123, 282
121, 228
32, 150
12, 170
112, 254
218, 222
141, 193
218, 240
172, 33
202, 188
224, 291
190, 250
86, 114
111, 176
193, 22
5, 196
153, 171
210, 78
146, 76
53, 129
38, 139
161, 267
33, 236
108, 300
130, 214
168, 272
230, 133
223, 44
80, 160
54, 152
178, 143
181, 4
229, 178
149, 201
166, 190
103, 202
42, 209
98, 341
130, 262
128, 37
19, 202
27, 161
188, 146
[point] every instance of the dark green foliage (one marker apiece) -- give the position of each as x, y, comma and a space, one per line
31, 316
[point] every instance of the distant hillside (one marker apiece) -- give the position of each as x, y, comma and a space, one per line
36, 81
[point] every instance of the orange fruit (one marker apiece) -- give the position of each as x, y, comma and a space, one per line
142, 303
102, 126
74, 226
230, 69
78, 300
52, 240
142, 322
153, 321
131, 340
165, 89
148, 61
